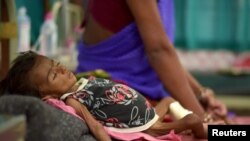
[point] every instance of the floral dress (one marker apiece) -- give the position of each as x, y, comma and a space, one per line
115, 105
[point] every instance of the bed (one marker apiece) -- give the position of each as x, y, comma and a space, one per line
46, 123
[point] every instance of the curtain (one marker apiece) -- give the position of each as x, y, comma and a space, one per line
212, 24
35, 10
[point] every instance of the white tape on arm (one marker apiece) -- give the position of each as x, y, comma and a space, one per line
177, 111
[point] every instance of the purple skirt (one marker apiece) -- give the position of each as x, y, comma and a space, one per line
124, 58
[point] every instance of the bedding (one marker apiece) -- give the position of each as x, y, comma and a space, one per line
44, 122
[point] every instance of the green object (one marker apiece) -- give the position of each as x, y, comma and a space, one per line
99, 73
225, 83
35, 10
213, 24
200, 24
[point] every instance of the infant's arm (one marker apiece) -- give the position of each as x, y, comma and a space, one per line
95, 127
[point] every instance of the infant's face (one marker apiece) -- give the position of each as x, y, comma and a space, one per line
51, 77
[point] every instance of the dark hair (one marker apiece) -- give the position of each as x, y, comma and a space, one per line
17, 79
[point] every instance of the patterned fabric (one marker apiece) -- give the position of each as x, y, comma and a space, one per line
124, 58
116, 105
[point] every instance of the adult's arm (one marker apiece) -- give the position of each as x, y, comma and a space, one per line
207, 97
95, 127
161, 53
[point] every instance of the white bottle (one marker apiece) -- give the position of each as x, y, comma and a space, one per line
48, 37
23, 30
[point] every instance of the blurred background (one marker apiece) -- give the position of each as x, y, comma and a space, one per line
212, 38
213, 24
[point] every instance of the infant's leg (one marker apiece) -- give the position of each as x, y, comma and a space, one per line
190, 122
162, 108
186, 120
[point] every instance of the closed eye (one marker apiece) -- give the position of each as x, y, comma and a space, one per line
55, 74
54, 77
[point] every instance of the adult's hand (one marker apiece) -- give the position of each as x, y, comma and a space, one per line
214, 106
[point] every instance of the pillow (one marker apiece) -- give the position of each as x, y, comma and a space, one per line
44, 122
